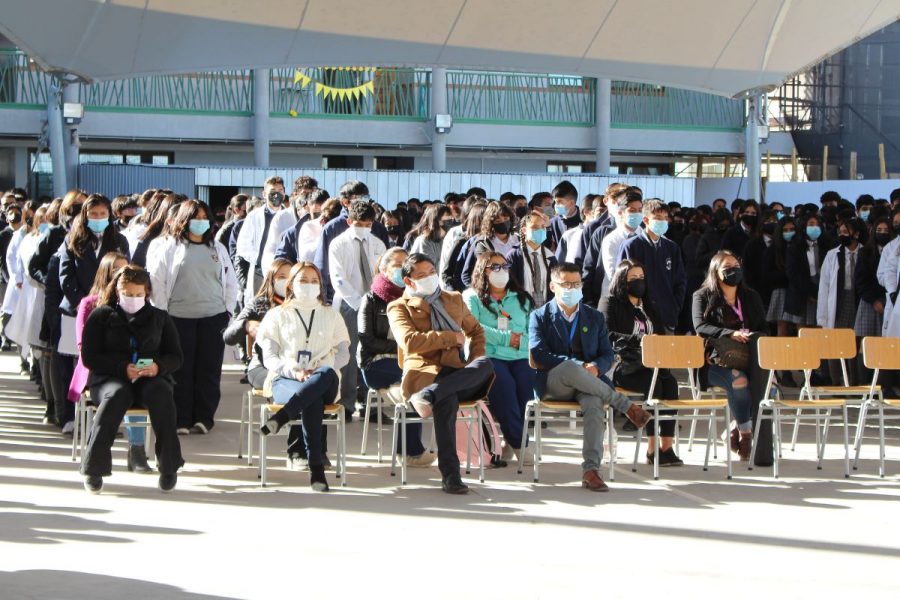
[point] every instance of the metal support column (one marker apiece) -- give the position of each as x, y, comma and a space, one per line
57, 142
602, 128
261, 117
751, 147
438, 107
70, 137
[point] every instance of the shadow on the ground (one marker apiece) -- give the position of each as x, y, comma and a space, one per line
70, 585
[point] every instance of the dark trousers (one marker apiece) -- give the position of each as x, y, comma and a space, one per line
295, 446
513, 389
350, 373
307, 400
666, 389
118, 395
383, 373
197, 382
450, 387
61, 369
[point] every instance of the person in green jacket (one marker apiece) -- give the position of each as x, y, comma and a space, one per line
502, 307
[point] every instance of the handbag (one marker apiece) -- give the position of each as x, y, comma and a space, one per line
731, 354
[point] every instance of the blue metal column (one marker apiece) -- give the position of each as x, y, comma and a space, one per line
602, 127
438, 107
261, 117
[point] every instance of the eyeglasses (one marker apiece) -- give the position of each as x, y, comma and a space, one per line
498, 268
569, 285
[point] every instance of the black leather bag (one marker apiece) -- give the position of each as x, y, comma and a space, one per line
731, 354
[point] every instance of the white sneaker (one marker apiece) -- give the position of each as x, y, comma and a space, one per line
420, 402
183, 431
69, 428
295, 463
507, 453
422, 461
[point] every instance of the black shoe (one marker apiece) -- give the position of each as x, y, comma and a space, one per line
628, 426
244, 380
452, 484
668, 458
348, 415
137, 460
93, 483
167, 482
317, 479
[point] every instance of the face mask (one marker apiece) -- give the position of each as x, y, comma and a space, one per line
98, 225
570, 298
394, 230
502, 228
397, 277
361, 232
659, 227
43, 227
897, 229
637, 288
846, 240
538, 236
789, 235
733, 276
275, 199
549, 210
633, 220
561, 210
768, 228
749, 221
813, 232
864, 215
426, 286
779, 215
132, 304
498, 279
281, 287
882, 239
306, 291
14, 218
521, 211
198, 226
447, 225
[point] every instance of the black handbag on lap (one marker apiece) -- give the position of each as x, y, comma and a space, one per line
731, 354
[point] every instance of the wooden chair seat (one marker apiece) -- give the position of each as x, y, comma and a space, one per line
825, 403
850, 389
560, 405
894, 403
258, 392
137, 412
703, 403
330, 409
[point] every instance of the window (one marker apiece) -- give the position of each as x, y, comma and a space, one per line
394, 163
337, 161
570, 167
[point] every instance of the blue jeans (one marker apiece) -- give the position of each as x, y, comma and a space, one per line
307, 400
384, 373
513, 388
739, 400
136, 435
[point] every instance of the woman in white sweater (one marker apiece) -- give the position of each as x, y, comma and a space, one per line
304, 344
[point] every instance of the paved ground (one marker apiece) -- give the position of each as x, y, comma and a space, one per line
220, 536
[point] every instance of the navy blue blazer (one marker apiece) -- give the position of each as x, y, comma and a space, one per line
548, 335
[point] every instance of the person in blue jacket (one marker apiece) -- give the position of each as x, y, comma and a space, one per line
663, 264
570, 349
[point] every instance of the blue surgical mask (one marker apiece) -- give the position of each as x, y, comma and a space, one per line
561, 210
633, 220
864, 215
198, 226
659, 227
779, 215
43, 227
538, 236
397, 277
98, 225
813, 232
570, 297
789, 235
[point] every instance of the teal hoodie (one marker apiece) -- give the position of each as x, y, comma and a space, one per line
498, 341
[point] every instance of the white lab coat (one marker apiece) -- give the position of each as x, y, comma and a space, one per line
15, 272
164, 259
887, 277
344, 270
828, 287
609, 252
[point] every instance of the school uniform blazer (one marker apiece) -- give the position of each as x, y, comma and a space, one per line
664, 270
425, 351
164, 260
516, 258
801, 286
76, 273
548, 339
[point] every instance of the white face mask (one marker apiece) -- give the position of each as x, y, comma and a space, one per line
426, 286
306, 291
281, 286
361, 232
498, 279
132, 304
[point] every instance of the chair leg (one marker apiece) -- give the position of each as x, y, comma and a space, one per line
75, 429
796, 431
881, 439
820, 446
715, 433
693, 429
262, 449
860, 430
537, 441
710, 439
846, 443
250, 427
403, 448
379, 406
394, 437
365, 435
613, 443
759, 419
243, 424
727, 419
656, 448
342, 436
529, 408
480, 447
776, 427
469, 423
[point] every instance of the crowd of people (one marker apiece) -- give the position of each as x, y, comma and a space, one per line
134, 301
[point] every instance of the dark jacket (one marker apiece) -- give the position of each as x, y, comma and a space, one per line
236, 335
664, 270
111, 340
592, 271
287, 246
452, 272
560, 225
475, 248
605, 220
694, 274
620, 318
710, 242
753, 261
51, 327
801, 286
47, 246
241, 266
516, 258
723, 321
776, 277
735, 239
76, 274
5, 237
548, 339
373, 330
867, 286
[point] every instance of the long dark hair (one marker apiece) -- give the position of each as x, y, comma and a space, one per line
188, 210
482, 285
430, 223
618, 286
128, 274
779, 243
711, 283
82, 239
493, 211
106, 271
472, 224
870, 250
267, 289
157, 214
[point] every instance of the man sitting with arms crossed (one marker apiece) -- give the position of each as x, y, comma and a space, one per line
432, 327
569, 347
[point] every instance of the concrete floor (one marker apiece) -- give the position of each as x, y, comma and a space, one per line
220, 536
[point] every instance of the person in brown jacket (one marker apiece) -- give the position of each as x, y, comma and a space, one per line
434, 329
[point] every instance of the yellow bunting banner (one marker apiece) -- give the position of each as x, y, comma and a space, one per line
327, 91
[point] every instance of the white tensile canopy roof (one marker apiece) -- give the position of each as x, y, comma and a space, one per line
724, 47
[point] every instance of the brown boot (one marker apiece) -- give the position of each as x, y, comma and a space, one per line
592, 481
637, 415
745, 446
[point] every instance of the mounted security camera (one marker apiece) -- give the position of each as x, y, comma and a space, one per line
443, 123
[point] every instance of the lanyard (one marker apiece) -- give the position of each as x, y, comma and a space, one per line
738, 311
307, 328
134, 352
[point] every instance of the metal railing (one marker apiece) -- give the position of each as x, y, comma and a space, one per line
403, 94
21, 82
641, 105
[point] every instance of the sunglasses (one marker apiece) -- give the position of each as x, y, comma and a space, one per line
498, 268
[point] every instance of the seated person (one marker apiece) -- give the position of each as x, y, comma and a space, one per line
378, 348
569, 347
630, 315
433, 328
304, 343
131, 349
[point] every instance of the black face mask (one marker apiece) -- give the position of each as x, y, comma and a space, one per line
723, 226
502, 228
637, 288
733, 276
521, 211
394, 230
276, 198
882, 239
447, 225
897, 229
846, 240
14, 218
677, 225
29, 221
768, 228
749, 220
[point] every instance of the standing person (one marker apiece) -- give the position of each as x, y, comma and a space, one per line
872, 295
12, 236
163, 213
735, 238
804, 265
353, 258
532, 261
711, 240
592, 239
661, 259
888, 269
496, 235
502, 308
453, 258
393, 222
123, 331
234, 214
193, 279
630, 315
252, 241
565, 204
629, 206
304, 344
726, 308
693, 274
569, 346
775, 265
569, 248
124, 209
147, 203
377, 355
433, 329
428, 235
302, 238
753, 256
838, 298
